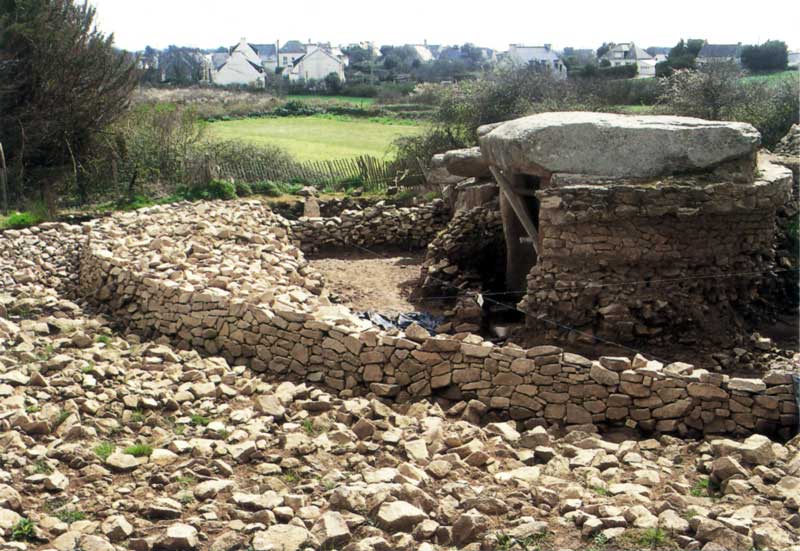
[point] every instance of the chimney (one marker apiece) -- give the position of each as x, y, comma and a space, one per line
425, 42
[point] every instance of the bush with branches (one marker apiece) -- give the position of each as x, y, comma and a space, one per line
717, 91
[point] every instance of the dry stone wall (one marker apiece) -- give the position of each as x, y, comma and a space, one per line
381, 224
680, 257
465, 253
199, 283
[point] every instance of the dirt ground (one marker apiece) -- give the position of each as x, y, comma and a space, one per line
366, 282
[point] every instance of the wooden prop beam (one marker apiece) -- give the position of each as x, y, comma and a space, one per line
518, 206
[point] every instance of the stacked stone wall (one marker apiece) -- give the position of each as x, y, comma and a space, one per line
378, 225
460, 255
629, 262
539, 385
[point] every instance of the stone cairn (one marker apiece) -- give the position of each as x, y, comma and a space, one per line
649, 228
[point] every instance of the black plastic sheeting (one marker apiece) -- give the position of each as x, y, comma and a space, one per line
401, 321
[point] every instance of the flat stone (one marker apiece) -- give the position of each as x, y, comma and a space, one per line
468, 163
747, 385
399, 516
643, 146
178, 537
283, 537
603, 376
331, 530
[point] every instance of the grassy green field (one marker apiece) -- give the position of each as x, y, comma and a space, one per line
317, 138
773, 77
333, 99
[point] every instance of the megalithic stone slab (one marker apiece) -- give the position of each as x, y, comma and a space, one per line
617, 146
468, 163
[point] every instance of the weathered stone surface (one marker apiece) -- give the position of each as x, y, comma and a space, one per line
604, 376
286, 537
178, 537
468, 163
653, 145
399, 516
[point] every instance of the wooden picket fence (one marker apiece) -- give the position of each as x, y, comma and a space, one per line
367, 172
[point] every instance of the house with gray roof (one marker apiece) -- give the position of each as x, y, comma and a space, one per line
628, 53
291, 52
244, 65
720, 53
544, 57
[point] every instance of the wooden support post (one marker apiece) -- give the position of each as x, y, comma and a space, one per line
518, 206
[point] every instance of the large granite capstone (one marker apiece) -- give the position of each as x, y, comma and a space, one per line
617, 146
468, 163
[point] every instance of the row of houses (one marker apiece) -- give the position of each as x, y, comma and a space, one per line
250, 64
628, 53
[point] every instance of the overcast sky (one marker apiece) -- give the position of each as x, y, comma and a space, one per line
492, 23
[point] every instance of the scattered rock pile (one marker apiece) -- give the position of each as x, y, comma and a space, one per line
110, 443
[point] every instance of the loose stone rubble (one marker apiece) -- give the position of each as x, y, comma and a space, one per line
230, 460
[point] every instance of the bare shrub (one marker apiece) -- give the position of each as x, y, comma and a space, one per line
717, 92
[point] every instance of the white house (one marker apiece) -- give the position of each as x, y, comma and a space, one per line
629, 53
316, 65
245, 64
540, 56
794, 60
423, 52
291, 52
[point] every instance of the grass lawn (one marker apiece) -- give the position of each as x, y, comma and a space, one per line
773, 77
316, 138
333, 99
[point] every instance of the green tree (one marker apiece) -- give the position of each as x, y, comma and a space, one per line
333, 83
682, 56
62, 84
708, 92
601, 51
772, 55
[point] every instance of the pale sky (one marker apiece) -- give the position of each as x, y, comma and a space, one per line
491, 23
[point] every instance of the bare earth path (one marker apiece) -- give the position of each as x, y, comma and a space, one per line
366, 282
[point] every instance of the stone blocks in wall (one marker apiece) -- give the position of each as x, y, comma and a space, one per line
292, 339
627, 261
409, 227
